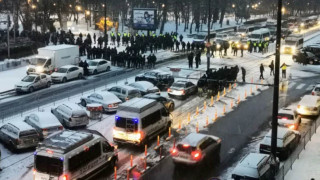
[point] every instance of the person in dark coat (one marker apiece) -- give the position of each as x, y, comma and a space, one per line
271, 68
94, 38
243, 74
85, 68
190, 60
81, 63
261, 71
183, 46
188, 47
242, 48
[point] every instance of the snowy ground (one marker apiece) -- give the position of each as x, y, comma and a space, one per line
307, 166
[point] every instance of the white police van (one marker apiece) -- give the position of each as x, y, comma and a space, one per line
139, 120
72, 155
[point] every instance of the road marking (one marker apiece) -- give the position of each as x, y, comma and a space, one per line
300, 86
310, 87
291, 84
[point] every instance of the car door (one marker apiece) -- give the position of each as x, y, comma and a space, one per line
37, 83
188, 88
43, 80
73, 73
99, 99
92, 98
3, 135
100, 66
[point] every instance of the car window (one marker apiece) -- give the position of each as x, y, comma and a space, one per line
101, 62
116, 89
124, 91
93, 96
37, 78
72, 69
209, 141
162, 99
43, 76
99, 96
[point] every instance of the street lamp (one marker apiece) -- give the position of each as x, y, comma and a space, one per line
87, 13
283, 10
34, 7
233, 5
163, 5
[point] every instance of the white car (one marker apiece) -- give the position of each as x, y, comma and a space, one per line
66, 73
289, 118
108, 100
98, 65
145, 87
33, 82
45, 123
309, 105
316, 90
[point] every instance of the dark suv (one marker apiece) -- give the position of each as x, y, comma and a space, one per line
306, 57
162, 80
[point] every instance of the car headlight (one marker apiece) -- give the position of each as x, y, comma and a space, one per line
39, 69
282, 49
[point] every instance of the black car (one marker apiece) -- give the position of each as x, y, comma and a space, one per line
305, 57
168, 103
287, 141
182, 89
162, 80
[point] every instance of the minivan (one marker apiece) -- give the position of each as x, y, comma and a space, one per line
71, 115
125, 93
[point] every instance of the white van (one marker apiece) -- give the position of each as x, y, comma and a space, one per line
139, 120
260, 35
71, 115
309, 105
244, 31
292, 43
72, 155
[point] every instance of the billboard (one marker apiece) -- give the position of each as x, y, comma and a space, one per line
144, 19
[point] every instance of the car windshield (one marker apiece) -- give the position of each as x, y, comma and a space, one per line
62, 70
242, 30
28, 79
291, 43
285, 116
199, 36
28, 133
178, 85
93, 63
255, 36
38, 61
48, 165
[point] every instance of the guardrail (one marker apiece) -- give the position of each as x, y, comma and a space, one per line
287, 165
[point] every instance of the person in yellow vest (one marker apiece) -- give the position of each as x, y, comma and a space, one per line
284, 69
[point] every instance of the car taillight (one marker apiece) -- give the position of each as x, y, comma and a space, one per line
60, 127
110, 106
196, 155
312, 93
34, 171
183, 92
169, 90
43, 130
65, 177
173, 151
292, 126
299, 106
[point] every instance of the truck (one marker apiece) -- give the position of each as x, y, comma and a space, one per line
50, 58
292, 43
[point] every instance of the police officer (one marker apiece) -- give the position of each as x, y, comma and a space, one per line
190, 59
284, 69
188, 47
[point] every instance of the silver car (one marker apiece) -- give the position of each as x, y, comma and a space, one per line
182, 89
19, 135
33, 82
316, 90
109, 101
125, 93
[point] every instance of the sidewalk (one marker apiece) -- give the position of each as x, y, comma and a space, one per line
307, 166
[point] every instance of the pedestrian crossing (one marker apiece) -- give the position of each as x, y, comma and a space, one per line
300, 86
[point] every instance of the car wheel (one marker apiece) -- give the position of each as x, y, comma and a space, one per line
31, 89
64, 80
83, 103
48, 84
108, 68
95, 72
171, 107
80, 76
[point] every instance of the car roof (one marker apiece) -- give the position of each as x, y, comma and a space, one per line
71, 105
286, 111
106, 95
194, 138
153, 96
125, 87
46, 119
137, 105
142, 84
281, 132
98, 60
68, 66
308, 100
248, 166
59, 47
21, 126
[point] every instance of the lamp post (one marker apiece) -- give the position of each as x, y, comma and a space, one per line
87, 12
34, 7
105, 17
208, 37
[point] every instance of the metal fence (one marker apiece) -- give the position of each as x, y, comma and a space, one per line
13, 64
287, 165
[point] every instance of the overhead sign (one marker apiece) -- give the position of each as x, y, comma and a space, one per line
144, 19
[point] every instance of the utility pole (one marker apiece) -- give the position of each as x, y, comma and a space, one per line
105, 17
276, 89
8, 35
208, 37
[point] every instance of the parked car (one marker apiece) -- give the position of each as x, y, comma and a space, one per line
254, 166
168, 103
33, 82
125, 93
19, 135
309, 105
45, 123
182, 89
162, 80
145, 87
197, 148
289, 118
98, 65
109, 101
66, 73
316, 90
305, 57
287, 141
71, 115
